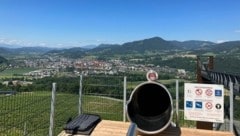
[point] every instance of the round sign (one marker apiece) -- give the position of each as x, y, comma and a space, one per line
198, 91
208, 105
209, 92
152, 75
218, 106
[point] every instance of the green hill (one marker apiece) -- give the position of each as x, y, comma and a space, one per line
3, 60
3, 63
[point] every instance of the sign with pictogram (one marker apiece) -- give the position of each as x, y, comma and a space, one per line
218, 106
209, 92
152, 75
204, 102
209, 105
198, 91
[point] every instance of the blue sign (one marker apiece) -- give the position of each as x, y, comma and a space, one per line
218, 93
189, 104
198, 105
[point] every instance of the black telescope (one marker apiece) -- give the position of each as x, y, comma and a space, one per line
150, 107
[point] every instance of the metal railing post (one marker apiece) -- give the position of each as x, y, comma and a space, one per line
124, 98
80, 96
51, 128
25, 129
231, 108
177, 101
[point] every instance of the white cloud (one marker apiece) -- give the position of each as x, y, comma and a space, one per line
2, 40
237, 31
221, 41
42, 44
25, 43
59, 44
9, 41
20, 43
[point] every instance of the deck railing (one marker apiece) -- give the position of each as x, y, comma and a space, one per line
28, 113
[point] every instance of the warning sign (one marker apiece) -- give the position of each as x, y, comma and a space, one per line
209, 105
209, 92
204, 102
198, 91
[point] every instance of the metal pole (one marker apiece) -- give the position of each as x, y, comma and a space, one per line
80, 96
132, 130
51, 128
25, 129
177, 101
231, 108
124, 98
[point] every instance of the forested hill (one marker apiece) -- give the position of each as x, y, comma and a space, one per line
154, 44
228, 47
3, 63
193, 44
76, 52
3, 60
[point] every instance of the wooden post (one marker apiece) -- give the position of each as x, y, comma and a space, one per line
201, 124
210, 63
199, 76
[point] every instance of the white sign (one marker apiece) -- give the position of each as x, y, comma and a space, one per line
204, 102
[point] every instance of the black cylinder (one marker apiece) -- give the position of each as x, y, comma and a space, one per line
150, 107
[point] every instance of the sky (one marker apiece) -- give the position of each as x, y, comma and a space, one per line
76, 23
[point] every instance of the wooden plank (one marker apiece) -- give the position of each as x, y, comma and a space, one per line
204, 125
201, 132
111, 128
117, 128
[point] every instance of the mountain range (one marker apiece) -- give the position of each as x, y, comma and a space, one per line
153, 50
154, 44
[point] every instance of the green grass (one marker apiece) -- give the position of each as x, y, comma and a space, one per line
30, 109
33, 111
107, 108
15, 71
182, 122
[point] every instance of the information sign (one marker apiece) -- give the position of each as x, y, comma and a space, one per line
204, 102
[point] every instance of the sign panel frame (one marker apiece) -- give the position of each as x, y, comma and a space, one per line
204, 102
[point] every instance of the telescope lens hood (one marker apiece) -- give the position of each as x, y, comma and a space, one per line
150, 107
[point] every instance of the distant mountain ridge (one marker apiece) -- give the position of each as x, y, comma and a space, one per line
154, 44
89, 46
3, 60
193, 44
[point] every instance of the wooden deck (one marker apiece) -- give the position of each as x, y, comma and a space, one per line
117, 128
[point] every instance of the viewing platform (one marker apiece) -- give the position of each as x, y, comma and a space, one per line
118, 128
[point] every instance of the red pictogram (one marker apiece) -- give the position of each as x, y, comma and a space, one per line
209, 92
152, 75
198, 92
209, 105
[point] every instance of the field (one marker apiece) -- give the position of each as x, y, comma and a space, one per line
29, 113
11, 73
22, 113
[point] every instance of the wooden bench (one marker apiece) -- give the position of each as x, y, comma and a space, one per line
118, 128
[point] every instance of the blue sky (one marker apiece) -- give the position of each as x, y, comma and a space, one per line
67, 23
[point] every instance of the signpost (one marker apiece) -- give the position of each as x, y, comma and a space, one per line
204, 102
